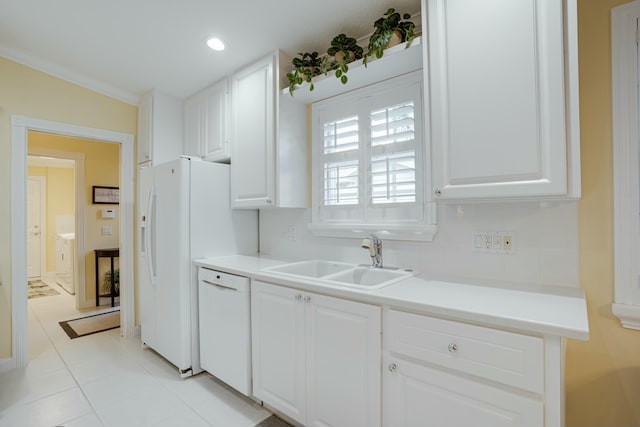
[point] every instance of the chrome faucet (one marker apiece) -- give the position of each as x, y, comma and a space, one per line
374, 245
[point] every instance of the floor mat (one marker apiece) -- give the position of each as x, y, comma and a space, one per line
91, 324
37, 289
273, 421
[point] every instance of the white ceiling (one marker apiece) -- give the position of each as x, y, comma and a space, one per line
123, 48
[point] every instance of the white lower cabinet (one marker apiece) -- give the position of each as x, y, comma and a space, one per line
417, 395
439, 372
316, 359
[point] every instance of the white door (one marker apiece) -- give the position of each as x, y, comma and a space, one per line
497, 115
253, 175
172, 285
146, 261
217, 113
343, 362
420, 396
193, 125
278, 348
35, 237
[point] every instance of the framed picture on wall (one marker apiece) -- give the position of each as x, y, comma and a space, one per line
105, 195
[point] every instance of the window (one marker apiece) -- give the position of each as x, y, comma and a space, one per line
369, 162
626, 167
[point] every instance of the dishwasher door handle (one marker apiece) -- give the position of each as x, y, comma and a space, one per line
226, 288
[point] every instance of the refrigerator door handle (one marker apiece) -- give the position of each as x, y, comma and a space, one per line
147, 237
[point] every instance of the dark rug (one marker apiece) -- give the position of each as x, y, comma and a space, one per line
91, 324
37, 289
273, 421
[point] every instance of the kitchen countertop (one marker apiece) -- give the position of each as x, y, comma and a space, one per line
549, 311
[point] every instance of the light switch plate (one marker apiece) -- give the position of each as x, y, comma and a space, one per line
107, 230
494, 242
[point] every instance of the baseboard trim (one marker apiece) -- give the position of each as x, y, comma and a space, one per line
7, 365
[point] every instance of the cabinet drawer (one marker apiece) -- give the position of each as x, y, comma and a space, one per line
506, 357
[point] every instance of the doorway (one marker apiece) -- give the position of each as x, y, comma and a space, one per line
19, 134
62, 266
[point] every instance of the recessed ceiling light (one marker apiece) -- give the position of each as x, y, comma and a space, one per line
215, 43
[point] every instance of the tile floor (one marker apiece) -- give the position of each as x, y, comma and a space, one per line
105, 380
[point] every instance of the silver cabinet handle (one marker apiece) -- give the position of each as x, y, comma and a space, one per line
298, 297
392, 367
452, 348
307, 299
437, 192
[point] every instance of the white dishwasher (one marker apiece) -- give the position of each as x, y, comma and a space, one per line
225, 337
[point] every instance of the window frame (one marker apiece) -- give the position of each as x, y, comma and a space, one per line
422, 225
626, 167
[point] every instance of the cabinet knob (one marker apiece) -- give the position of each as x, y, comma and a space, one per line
437, 192
307, 299
392, 367
268, 201
452, 348
298, 297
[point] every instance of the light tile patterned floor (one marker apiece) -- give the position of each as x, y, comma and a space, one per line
104, 380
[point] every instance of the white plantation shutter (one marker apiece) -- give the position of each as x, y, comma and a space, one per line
393, 155
341, 135
368, 160
341, 183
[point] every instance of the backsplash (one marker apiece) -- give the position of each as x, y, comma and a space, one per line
546, 243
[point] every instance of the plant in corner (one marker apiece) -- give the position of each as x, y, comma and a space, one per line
306, 67
391, 29
344, 50
106, 283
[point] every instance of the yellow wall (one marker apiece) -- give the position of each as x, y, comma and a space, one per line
25, 91
59, 190
102, 168
602, 374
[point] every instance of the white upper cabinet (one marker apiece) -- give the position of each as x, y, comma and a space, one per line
503, 88
269, 150
159, 128
206, 117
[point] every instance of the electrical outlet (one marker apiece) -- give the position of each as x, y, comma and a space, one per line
291, 234
507, 243
494, 242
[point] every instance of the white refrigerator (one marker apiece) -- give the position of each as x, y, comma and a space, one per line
184, 214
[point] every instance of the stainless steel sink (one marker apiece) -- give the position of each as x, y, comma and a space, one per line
341, 274
312, 268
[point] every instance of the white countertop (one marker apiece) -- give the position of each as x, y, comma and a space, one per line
559, 313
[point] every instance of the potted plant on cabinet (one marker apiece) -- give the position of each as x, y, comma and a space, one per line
390, 30
344, 50
306, 67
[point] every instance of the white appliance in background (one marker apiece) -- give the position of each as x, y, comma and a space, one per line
225, 321
185, 214
66, 261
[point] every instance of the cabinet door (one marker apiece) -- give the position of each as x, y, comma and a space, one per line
194, 125
278, 348
496, 71
145, 113
253, 149
343, 362
216, 141
420, 396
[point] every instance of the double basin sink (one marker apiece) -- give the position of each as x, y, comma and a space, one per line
341, 274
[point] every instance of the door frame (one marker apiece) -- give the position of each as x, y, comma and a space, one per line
43, 221
80, 202
20, 126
